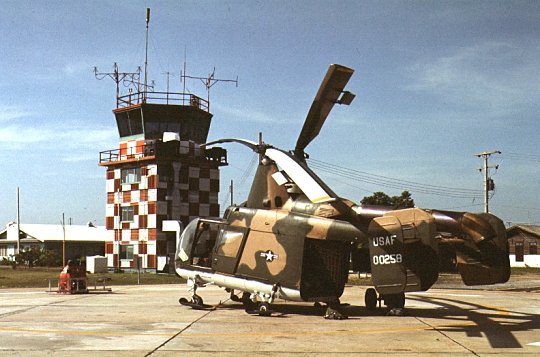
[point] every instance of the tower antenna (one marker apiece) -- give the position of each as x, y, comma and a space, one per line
127, 77
208, 82
146, 55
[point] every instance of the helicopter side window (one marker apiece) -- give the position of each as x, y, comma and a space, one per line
203, 246
229, 242
196, 242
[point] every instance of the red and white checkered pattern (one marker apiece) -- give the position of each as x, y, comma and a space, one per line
189, 191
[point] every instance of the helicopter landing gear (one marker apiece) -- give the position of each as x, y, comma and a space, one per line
333, 311
235, 297
196, 301
264, 309
371, 299
250, 304
394, 302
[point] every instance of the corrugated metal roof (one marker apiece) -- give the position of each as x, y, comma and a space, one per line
55, 232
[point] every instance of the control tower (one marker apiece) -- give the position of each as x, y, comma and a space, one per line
158, 172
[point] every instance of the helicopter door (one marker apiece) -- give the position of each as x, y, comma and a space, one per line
229, 244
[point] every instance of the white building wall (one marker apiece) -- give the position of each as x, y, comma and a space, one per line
529, 261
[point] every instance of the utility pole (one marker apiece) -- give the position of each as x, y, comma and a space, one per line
18, 223
489, 185
64, 240
231, 188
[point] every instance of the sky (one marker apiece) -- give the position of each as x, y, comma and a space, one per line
436, 82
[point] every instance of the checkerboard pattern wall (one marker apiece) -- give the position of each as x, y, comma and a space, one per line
143, 193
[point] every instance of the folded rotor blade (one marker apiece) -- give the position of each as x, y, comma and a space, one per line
329, 92
250, 144
310, 184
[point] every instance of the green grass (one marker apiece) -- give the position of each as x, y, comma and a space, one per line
39, 278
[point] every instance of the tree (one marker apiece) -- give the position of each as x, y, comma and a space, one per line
382, 199
38, 257
28, 257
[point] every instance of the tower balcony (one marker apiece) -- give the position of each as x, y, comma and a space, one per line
169, 150
167, 98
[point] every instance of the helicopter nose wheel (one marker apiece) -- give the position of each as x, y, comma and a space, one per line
261, 308
264, 309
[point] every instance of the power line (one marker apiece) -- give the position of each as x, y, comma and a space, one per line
390, 182
245, 175
523, 157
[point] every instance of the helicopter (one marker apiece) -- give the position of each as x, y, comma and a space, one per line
292, 238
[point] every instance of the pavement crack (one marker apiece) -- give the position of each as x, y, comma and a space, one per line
434, 328
180, 332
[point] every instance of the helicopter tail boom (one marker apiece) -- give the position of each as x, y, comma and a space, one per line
479, 241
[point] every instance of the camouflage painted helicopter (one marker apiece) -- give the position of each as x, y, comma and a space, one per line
293, 236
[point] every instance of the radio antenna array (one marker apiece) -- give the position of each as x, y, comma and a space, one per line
127, 78
208, 81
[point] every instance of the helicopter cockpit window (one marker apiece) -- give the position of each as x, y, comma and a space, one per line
196, 242
229, 242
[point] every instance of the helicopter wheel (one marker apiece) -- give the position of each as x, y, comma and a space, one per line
370, 299
264, 309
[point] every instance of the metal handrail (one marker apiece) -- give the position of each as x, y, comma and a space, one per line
185, 99
146, 149
150, 149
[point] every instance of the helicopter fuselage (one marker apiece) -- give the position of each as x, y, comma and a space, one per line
305, 256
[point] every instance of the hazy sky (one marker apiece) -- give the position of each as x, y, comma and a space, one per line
436, 83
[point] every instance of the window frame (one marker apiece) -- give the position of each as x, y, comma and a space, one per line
127, 251
127, 173
128, 211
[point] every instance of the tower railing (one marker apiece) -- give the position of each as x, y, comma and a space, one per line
184, 99
163, 149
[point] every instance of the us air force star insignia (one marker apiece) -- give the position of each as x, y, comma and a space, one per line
269, 255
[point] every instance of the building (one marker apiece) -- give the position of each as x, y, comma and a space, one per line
159, 172
523, 240
78, 240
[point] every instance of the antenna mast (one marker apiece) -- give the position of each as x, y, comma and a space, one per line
208, 82
146, 55
117, 77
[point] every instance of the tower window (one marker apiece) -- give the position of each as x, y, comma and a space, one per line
127, 213
131, 175
126, 251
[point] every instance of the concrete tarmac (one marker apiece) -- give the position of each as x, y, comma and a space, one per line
148, 321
